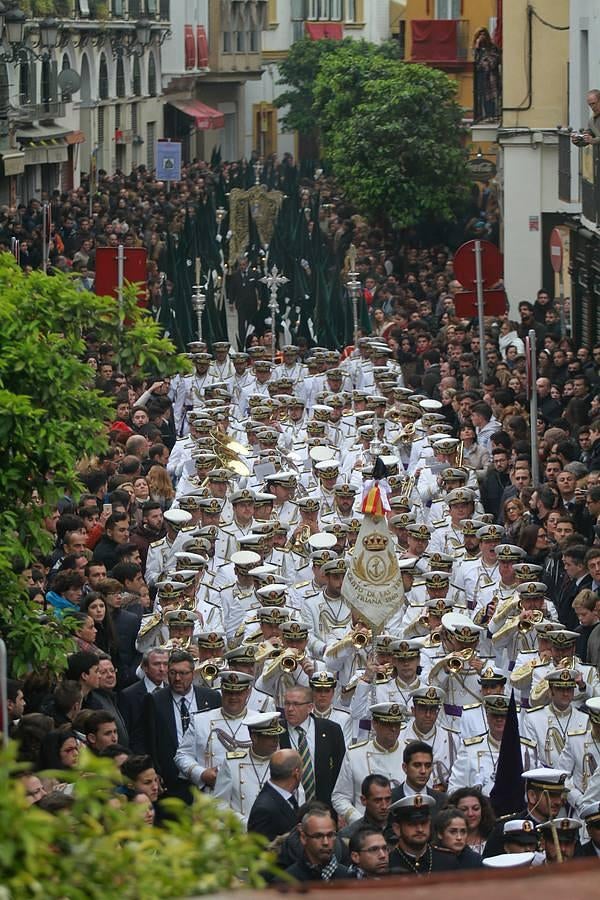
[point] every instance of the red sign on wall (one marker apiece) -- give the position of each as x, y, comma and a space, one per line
107, 271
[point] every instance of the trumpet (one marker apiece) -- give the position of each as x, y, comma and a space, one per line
382, 677
526, 625
290, 660
567, 662
435, 638
360, 639
210, 669
407, 488
268, 650
456, 663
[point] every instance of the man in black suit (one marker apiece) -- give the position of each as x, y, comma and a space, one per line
319, 742
244, 294
275, 810
166, 717
155, 663
417, 764
577, 579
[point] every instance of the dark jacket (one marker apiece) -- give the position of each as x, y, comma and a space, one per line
491, 489
131, 705
105, 552
100, 699
330, 748
271, 814
160, 734
126, 626
433, 860
301, 871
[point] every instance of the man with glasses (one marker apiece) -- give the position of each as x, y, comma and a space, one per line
369, 853
319, 742
166, 716
318, 863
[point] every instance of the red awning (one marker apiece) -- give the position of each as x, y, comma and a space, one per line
205, 117
202, 46
318, 31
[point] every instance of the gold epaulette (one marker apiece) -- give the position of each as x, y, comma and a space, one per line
469, 742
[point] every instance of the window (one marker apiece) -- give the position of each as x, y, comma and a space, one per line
103, 79
447, 9
4, 90
226, 42
240, 42
165, 9
117, 116
350, 11
137, 77
118, 8
272, 12
24, 84
151, 7
254, 41
101, 111
325, 10
335, 10
84, 8
46, 85
135, 9
151, 76
121, 92
134, 118
150, 140
313, 10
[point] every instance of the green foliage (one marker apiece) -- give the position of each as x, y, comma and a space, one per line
50, 418
298, 71
391, 131
104, 851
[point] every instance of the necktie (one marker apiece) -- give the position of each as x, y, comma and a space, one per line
185, 715
293, 802
308, 773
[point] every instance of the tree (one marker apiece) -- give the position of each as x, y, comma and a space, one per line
51, 418
101, 850
298, 72
392, 134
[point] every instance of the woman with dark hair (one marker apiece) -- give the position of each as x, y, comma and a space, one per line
478, 814
450, 833
60, 750
486, 61
535, 542
106, 638
29, 734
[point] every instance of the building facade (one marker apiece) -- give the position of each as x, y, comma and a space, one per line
81, 90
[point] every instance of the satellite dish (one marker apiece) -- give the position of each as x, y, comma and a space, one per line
69, 81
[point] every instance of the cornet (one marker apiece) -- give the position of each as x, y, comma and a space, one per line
289, 660
382, 677
456, 663
435, 638
210, 669
268, 650
527, 624
360, 639
567, 662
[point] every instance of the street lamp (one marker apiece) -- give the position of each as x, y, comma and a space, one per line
143, 30
14, 22
49, 28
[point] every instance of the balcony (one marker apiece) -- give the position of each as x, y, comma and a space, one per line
443, 43
39, 112
590, 183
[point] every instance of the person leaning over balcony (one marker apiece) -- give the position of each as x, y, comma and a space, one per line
590, 134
